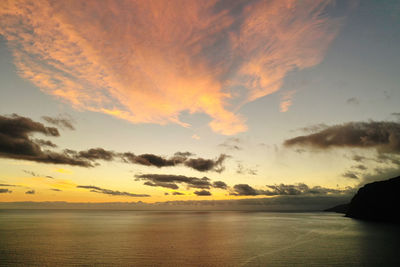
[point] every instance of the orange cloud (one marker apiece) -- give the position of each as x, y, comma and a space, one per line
148, 61
286, 101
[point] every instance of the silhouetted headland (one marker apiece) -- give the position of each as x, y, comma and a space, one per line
377, 201
342, 208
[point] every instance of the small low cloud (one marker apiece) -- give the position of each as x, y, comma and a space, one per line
171, 181
96, 189
359, 158
314, 128
220, 185
360, 167
353, 101
178, 193
232, 144
11, 185
4, 190
286, 101
179, 158
396, 114
202, 193
350, 175
34, 174
30, 192
204, 165
186, 154
62, 121
44, 143
240, 169
96, 154
56, 189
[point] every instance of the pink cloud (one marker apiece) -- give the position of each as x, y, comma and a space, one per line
148, 61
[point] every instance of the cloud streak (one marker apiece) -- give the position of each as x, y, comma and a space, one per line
171, 181
125, 59
5, 190
96, 189
63, 122
382, 135
287, 190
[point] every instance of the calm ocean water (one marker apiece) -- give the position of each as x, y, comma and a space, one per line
131, 238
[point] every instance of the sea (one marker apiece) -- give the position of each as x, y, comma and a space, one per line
192, 238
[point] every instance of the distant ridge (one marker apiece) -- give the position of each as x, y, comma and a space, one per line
377, 201
342, 208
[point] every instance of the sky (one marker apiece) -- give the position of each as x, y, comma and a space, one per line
197, 101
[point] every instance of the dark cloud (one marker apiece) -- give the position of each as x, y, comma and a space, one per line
202, 193
30, 192
303, 189
244, 190
353, 101
287, 190
351, 175
359, 158
177, 193
204, 165
12, 185
152, 160
243, 170
162, 184
96, 189
16, 143
232, 143
384, 136
56, 189
60, 121
30, 173
314, 128
396, 114
96, 154
179, 158
184, 154
360, 167
4, 190
387, 158
44, 143
169, 179
219, 184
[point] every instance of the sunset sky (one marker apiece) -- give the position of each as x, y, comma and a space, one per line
152, 101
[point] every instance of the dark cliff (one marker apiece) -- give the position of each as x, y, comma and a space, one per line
378, 201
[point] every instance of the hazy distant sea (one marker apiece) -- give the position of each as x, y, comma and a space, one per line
131, 238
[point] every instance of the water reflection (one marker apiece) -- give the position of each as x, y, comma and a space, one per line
127, 238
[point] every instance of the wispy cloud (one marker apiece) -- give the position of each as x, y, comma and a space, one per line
62, 121
171, 181
286, 101
100, 190
128, 60
30, 192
